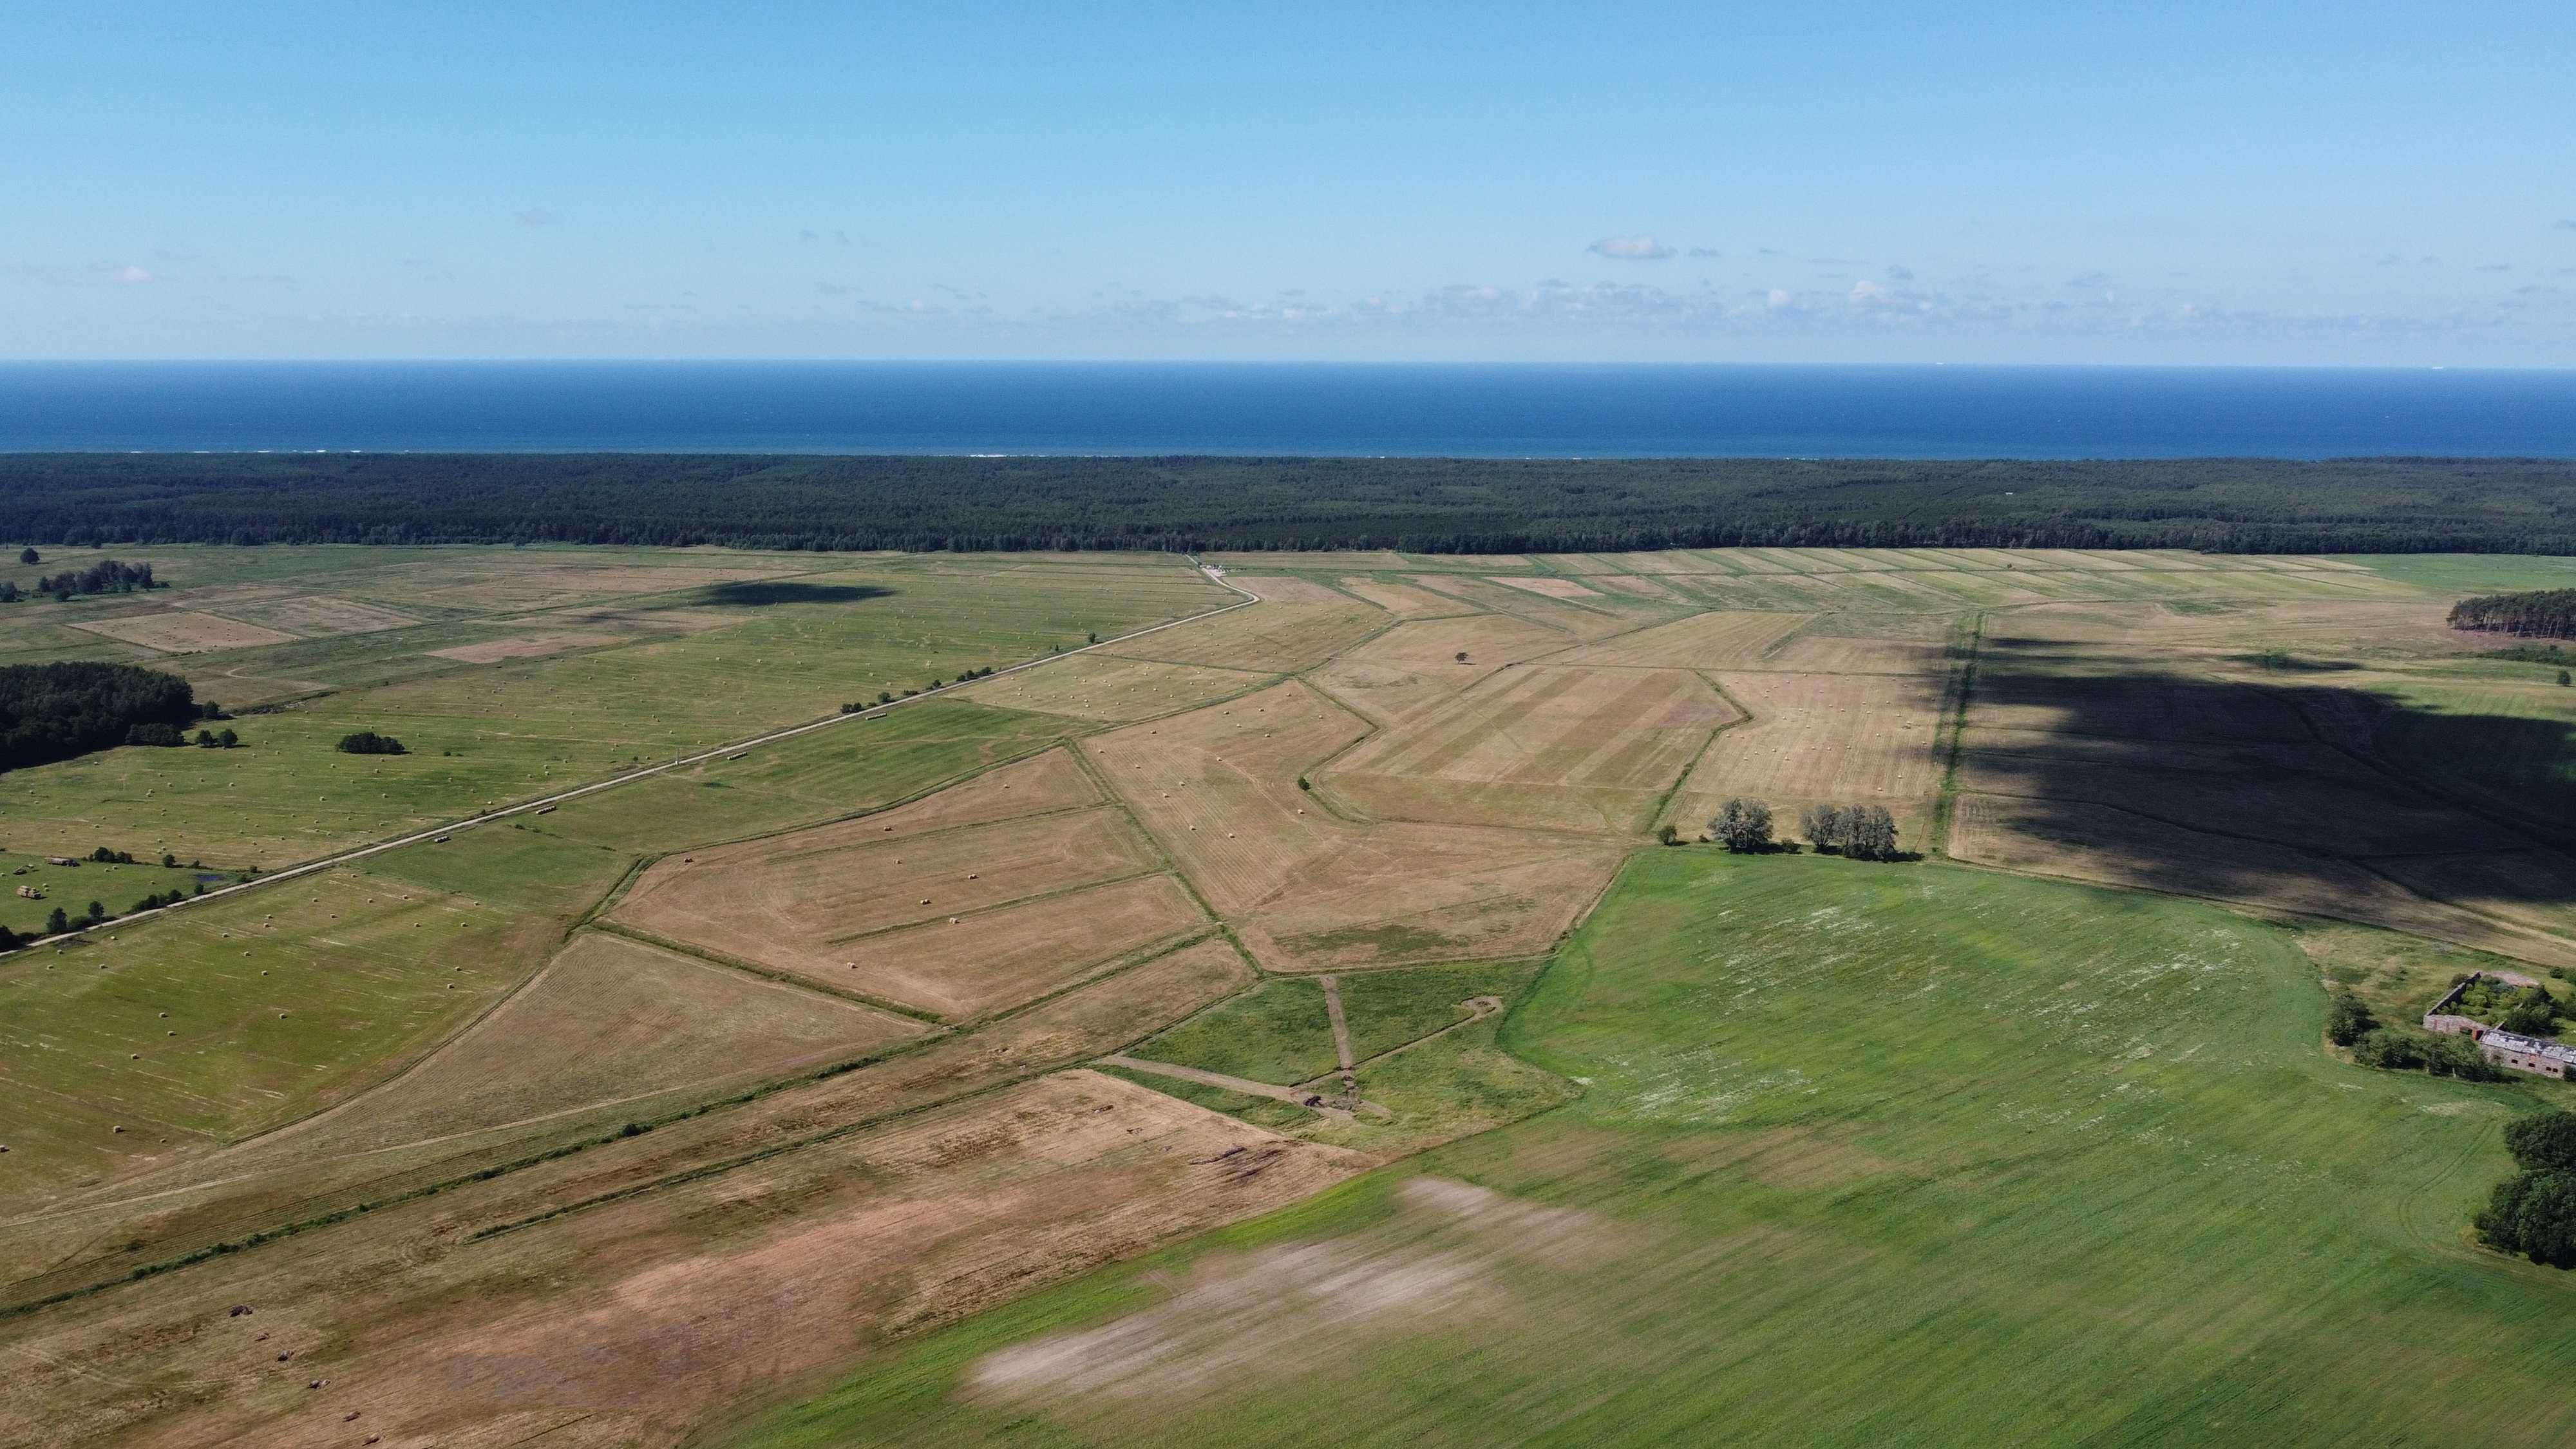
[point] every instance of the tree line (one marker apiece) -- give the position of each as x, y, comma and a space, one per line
2544, 613
1744, 825
1427, 505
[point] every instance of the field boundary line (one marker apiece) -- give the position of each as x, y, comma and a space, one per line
711, 957
546, 802
1961, 687
961, 917
1672, 795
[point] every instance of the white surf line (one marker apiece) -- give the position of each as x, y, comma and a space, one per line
1211, 572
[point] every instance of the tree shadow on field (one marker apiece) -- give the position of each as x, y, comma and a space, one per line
761, 593
2293, 791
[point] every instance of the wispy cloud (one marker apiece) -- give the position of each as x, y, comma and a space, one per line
1706, 252
1630, 249
2567, 224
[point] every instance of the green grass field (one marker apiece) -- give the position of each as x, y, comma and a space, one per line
672, 651
1868, 1154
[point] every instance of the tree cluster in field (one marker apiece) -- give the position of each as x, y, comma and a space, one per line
56, 711
2541, 613
1742, 825
107, 576
1862, 832
1431, 505
2533, 1212
368, 742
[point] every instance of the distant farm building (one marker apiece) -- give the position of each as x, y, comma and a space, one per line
2504, 1048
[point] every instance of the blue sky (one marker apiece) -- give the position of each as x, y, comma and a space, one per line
2180, 182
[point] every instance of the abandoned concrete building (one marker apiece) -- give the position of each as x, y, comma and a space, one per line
2504, 1048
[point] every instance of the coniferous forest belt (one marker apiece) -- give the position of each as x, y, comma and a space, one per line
1431, 505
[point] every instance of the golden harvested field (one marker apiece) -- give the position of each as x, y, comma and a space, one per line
987, 961
183, 633
1218, 787
1402, 599
1053, 780
1308, 890
804, 902
318, 615
1581, 749
1554, 588
1300, 624
1100, 687
1586, 619
1823, 739
1415, 665
525, 646
608, 1021
1723, 640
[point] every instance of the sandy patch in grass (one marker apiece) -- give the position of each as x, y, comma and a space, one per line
183, 633
1298, 1307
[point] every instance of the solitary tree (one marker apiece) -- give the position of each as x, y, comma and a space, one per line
2565, 678
1742, 825
57, 923
2348, 1020
227, 739
30, 556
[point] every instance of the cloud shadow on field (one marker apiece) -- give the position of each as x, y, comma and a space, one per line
761, 593
2315, 797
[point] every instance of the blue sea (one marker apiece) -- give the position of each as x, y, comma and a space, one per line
1287, 408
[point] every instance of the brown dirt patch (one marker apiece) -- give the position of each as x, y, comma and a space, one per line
183, 633
800, 902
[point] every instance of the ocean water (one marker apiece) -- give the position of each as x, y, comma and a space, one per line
1287, 408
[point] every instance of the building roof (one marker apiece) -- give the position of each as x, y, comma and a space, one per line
2529, 1046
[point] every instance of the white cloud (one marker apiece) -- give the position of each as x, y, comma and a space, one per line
131, 275
1630, 249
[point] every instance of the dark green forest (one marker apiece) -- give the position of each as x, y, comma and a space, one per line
2544, 613
1430, 505
56, 711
